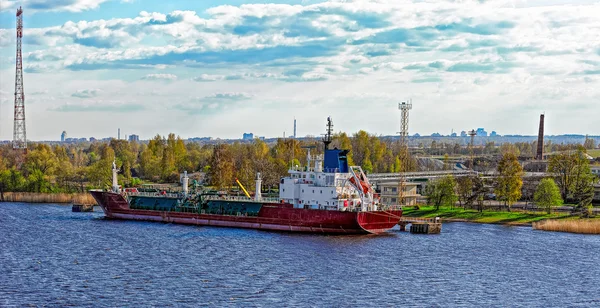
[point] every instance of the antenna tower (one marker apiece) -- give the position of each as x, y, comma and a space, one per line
472, 133
404, 108
19, 132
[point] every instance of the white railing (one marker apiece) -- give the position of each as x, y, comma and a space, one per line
152, 194
239, 198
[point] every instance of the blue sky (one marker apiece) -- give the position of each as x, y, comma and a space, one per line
222, 68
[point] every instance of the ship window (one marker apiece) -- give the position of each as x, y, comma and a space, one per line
283, 189
321, 191
313, 191
303, 190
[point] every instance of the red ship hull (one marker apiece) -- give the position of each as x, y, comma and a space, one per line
272, 216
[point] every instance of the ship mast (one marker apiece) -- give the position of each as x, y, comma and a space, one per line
327, 138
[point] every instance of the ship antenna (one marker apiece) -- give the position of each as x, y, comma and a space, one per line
327, 139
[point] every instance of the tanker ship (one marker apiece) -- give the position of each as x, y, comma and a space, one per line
325, 196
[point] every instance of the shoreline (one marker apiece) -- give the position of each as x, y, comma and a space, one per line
57, 198
564, 222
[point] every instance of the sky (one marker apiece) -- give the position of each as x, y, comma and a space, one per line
223, 68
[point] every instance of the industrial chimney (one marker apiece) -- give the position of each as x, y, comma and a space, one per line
540, 142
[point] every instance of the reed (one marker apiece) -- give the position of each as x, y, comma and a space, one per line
584, 226
28, 197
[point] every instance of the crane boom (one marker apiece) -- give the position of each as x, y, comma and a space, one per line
243, 188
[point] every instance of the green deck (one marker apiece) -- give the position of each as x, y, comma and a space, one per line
220, 207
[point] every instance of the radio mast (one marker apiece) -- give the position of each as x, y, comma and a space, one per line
19, 132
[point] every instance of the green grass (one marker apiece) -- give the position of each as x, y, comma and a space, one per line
594, 153
515, 218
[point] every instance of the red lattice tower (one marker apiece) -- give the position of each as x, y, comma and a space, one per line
19, 133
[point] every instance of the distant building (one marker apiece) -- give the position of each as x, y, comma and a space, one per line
463, 134
92, 139
63, 136
263, 138
494, 134
75, 139
390, 193
436, 135
481, 132
248, 136
200, 139
135, 138
417, 135
453, 135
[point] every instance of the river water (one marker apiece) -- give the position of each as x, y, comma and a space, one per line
50, 256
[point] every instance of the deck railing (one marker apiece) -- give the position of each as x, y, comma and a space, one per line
239, 198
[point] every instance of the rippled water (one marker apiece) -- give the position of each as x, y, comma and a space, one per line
51, 256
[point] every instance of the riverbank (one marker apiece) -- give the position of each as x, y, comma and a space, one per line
489, 217
80, 198
562, 222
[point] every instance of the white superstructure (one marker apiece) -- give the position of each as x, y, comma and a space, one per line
316, 187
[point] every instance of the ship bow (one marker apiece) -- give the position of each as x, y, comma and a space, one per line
377, 222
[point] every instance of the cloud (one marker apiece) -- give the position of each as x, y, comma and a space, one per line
209, 78
163, 77
87, 93
35, 68
215, 103
99, 107
427, 79
227, 97
51, 5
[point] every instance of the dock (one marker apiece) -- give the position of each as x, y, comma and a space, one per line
420, 225
82, 207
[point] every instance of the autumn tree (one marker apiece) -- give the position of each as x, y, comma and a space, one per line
221, 167
510, 179
40, 165
547, 195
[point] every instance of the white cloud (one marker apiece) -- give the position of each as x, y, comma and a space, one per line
449, 56
167, 77
208, 78
86, 93
51, 5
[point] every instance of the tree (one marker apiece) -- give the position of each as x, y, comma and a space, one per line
510, 181
547, 195
367, 166
562, 167
464, 189
221, 166
573, 176
441, 192
589, 143
583, 182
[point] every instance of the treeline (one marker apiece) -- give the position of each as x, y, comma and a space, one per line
78, 167
81, 166
521, 149
569, 180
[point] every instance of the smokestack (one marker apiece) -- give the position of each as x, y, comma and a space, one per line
119, 134
295, 136
540, 142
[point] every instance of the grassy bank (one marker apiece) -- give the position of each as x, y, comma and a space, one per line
459, 214
84, 198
